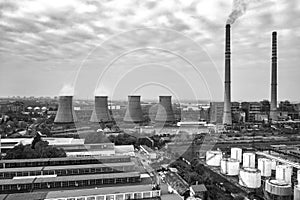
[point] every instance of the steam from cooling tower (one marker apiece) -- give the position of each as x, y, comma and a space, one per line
102, 91
238, 9
67, 90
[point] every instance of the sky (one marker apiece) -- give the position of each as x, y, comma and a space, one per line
149, 48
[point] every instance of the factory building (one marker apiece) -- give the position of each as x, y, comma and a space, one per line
216, 111
105, 177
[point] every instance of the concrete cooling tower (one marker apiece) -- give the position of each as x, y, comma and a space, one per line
101, 112
134, 113
65, 113
165, 111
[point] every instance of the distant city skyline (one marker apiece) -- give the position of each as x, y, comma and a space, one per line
43, 44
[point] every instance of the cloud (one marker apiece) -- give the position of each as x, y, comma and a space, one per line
43, 31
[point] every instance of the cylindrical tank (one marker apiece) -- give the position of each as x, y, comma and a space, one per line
236, 153
230, 167
249, 160
284, 172
274, 164
297, 192
165, 111
250, 178
213, 158
134, 113
264, 165
101, 112
278, 189
65, 112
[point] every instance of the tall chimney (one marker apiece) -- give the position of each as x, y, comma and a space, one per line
101, 112
65, 113
273, 109
227, 119
165, 111
134, 113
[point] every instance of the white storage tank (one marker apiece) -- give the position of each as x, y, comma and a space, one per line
230, 167
297, 192
265, 166
236, 153
284, 172
249, 160
250, 178
278, 189
274, 164
213, 158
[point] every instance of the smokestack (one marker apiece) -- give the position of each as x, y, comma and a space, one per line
165, 110
134, 113
65, 113
227, 119
101, 112
273, 109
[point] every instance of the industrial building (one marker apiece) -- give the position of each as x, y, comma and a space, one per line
93, 177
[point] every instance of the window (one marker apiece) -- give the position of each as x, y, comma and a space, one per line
128, 196
65, 184
146, 194
110, 197
100, 197
119, 197
156, 193
138, 195
90, 198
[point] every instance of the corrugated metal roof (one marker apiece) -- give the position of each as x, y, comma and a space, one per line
69, 178
98, 191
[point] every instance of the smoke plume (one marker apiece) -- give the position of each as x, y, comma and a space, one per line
67, 90
238, 9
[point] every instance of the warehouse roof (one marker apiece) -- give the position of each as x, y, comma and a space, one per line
98, 191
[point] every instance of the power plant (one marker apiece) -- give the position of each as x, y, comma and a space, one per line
273, 109
165, 111
101, 112
227, 118
134, 113
65, 113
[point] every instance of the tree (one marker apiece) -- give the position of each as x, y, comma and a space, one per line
38, 149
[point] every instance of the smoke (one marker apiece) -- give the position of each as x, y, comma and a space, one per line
238, 9
67, 90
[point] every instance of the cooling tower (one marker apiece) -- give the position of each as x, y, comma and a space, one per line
65, 113
101, 112
273, 109
134, 111
227, 119
165, 111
